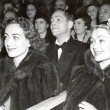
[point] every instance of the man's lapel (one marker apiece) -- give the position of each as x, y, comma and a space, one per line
65, 58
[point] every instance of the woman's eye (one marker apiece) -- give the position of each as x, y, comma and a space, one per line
6, 37
58, 20
16, 38
106, 12
101, 40
41, 22
79, 23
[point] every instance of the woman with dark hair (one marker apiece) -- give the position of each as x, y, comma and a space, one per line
81, 28
27, 77
31, 11
92, 11
42, 25
89, 87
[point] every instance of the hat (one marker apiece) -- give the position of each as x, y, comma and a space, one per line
43, 16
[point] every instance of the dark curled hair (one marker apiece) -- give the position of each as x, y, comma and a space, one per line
29, 31
86, 18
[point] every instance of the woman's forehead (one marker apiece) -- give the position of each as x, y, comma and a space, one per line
100, 32
13, 28
13, 25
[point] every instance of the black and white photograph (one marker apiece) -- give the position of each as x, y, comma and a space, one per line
54, 54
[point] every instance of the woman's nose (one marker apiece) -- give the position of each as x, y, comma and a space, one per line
95, 45
101, 14
9, 42
53, 23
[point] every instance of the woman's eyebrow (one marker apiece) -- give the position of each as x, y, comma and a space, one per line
100, 36
16, 34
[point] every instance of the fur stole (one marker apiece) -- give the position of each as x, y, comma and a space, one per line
10, 75
94, 67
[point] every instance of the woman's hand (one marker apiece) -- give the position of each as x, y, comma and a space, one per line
86, 106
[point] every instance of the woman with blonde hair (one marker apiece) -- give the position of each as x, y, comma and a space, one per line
89, 87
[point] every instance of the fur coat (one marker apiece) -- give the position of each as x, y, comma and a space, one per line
33, 81
89, 83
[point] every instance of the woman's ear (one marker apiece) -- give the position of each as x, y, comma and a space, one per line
70, 24
47, 25
29, 43
67, 7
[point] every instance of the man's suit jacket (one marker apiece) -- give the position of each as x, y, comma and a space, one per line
72, 54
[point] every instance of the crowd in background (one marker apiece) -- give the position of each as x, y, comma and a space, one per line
43, 44
87, 11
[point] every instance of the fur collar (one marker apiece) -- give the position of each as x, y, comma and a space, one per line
25, 67
10, 75
94, 67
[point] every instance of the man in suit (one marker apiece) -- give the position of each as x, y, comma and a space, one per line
71, 52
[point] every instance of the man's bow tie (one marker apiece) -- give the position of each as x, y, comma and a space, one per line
60, 46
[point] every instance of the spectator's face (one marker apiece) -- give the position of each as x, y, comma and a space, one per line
100, 45
60, 4
15, 41
7, 6
104, 13
79, 26
92, 12
41, 25
9, 15
59, 24
31, 11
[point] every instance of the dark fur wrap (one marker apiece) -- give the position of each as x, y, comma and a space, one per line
89, 83
34, 80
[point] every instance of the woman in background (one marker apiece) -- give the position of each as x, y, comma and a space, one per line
81, 28
27, 77
8, 16
92, 11
42, 25
31, 12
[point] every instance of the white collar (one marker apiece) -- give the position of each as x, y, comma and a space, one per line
56, 42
